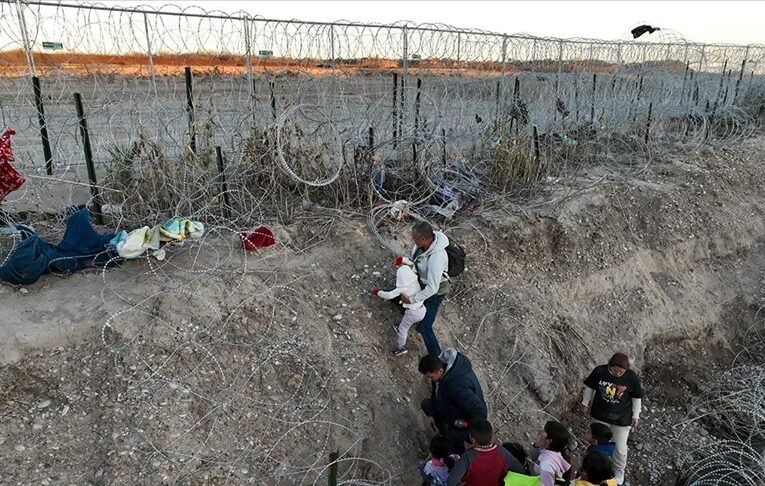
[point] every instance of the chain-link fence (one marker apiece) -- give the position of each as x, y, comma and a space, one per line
341, 110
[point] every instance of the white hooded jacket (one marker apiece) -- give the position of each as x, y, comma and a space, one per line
432, 266
406, 283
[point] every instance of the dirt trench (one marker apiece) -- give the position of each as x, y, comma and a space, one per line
216, 367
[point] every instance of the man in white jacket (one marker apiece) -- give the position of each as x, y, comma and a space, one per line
431, 262
406, 283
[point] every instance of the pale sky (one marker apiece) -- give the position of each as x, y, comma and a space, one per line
737, 22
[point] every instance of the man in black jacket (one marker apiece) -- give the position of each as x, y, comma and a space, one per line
456, 397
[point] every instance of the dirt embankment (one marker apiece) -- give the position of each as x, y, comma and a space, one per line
211, 367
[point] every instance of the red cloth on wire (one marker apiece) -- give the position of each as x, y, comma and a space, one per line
10, 179
261, 237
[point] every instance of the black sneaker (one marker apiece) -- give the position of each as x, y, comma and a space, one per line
399, 351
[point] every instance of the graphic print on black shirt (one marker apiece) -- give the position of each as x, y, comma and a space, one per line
611, 392
613, 395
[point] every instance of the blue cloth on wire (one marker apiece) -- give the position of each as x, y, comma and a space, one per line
81, 247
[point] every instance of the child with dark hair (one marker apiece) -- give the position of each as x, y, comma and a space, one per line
435, 472
597, 470
600, 439
553, 462
484, 462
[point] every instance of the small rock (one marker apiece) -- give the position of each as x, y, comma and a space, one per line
23, 290
20, 448
43, 404
338, 317
639, 447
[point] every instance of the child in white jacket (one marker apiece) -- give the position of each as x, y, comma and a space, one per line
407, 284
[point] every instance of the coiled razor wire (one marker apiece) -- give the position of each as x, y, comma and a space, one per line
326, 111
331, 146
724, 463
732, 408
344, 118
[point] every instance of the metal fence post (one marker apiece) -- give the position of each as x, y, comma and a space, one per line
332, 47
95, 195
560, 68
222, 175
504, 53
272, 93
43, 125
248, 63
416, 119
741, 74
404, 83
394, 117
592, 105
190, 109
332, 478
152, 72
648, 122
25, 37
501, 82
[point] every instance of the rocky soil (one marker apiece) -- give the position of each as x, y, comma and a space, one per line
219, 367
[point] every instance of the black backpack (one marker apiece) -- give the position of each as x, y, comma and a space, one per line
456, 256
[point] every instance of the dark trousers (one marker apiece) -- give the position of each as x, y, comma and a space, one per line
425, 327
454, 436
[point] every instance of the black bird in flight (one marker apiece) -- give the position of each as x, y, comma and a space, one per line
642, 29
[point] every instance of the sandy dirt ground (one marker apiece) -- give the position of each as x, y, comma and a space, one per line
220, 367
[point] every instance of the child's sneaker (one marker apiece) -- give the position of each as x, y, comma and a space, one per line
399, 351
619, 476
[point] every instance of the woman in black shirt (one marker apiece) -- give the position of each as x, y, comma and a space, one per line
612, 395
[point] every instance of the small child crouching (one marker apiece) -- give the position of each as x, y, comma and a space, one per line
600, 439
435, 472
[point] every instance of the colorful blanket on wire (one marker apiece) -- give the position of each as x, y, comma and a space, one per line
137, 242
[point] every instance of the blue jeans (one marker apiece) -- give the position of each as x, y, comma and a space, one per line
425, 326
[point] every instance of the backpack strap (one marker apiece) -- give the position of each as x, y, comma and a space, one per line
415, 257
